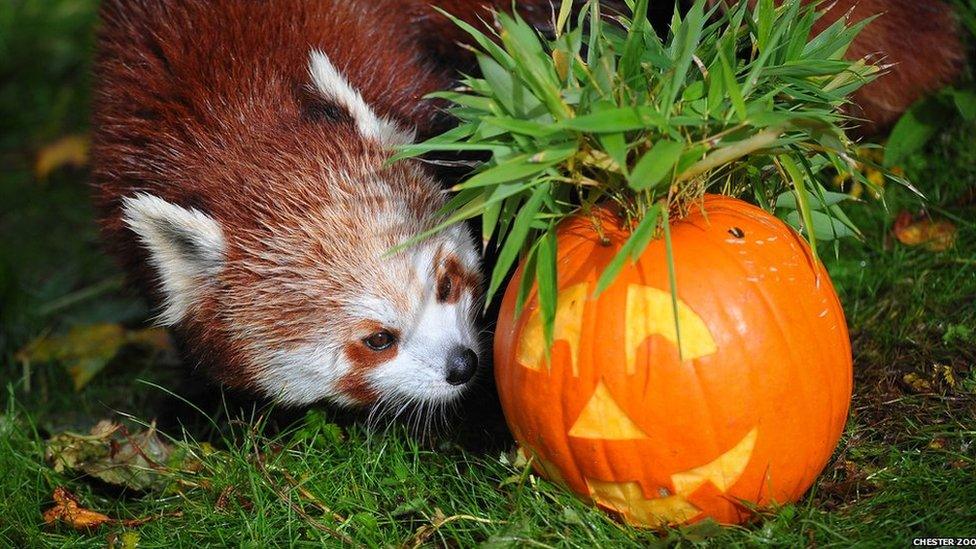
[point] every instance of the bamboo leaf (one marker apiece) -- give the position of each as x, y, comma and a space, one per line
489, 221
634, 45
803, 205
655, 165
484, 42
408, 151
672, 280
528, 278
516, 239
521, 167
731, 86
631, 250
533, 63
825, 226
618, 119
524, 127
788, 199
686, 41
500, 80
545, 271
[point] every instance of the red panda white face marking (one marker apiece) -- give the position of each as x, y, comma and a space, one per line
296, 289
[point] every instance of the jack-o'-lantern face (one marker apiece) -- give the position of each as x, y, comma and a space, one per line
749, 409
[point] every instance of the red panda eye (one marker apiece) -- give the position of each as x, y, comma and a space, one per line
444, 288
380, 341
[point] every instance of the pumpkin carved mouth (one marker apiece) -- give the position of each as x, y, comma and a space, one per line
629, 500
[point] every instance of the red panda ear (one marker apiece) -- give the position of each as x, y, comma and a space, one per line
186, 248
334, 87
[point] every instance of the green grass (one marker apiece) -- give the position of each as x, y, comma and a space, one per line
905, 467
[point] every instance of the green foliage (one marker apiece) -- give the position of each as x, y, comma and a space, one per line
923, 121
966, 9
608, 113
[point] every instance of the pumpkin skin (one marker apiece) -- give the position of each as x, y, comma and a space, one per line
751, 414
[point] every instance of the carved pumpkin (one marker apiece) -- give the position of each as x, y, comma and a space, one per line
748, 415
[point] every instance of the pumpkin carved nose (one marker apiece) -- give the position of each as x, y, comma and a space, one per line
461, 366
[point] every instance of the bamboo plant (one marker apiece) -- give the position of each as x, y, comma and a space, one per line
735, 99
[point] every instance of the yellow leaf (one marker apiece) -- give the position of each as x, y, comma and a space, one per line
917, 383
71, 150
934, 235
85, 350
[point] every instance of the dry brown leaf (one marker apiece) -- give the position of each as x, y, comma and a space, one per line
85, 350
934, 235
67, 510
71, 150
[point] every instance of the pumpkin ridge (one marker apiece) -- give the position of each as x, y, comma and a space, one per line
772, 311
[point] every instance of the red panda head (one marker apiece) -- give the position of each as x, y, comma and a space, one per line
299, 293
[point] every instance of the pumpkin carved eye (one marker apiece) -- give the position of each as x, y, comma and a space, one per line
380, 341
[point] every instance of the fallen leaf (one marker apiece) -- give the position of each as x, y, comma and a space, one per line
67, 510
945, 375
934, 235
917, 383
140, 461
85, 350
71, 150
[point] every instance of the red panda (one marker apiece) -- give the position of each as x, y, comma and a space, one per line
240, 167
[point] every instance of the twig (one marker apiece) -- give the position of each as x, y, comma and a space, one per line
425, 532
73, 298
725, 155
312, 499
298, 508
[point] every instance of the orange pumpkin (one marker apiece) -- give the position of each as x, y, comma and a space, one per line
748, 414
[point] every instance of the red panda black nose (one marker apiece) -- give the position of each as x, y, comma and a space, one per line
461, 366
